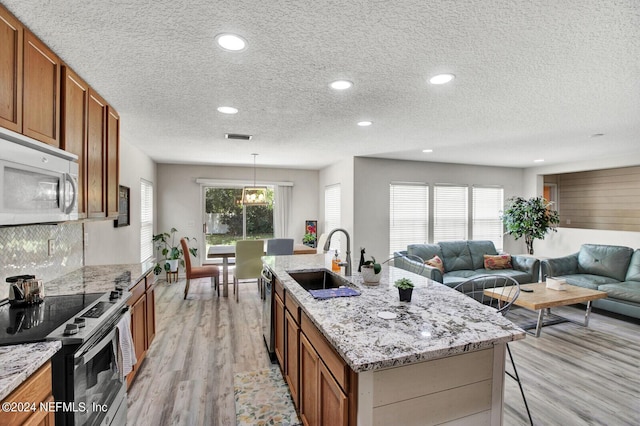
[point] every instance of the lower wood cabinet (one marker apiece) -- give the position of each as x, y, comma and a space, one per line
143, 320
278, 322
37, 389
291, 366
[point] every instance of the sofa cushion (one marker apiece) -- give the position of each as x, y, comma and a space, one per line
627, 290
588, 280
424, 251
478, 249
633, 273
499, 261
520, 276
436, 262
454, 278
456, 255
605, 260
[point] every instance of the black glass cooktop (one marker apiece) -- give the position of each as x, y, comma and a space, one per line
32, 323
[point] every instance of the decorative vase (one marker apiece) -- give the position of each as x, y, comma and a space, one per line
173, 264
368, 274
405, 294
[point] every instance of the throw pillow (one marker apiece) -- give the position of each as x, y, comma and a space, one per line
500, 261
435, 262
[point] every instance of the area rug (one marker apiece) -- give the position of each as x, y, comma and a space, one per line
262, 398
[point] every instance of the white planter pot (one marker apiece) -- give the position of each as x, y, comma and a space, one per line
173, 264
369, 276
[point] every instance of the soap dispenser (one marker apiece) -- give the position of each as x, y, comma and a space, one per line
335, 263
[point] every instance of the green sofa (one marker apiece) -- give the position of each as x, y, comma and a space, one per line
465, 259
612, 269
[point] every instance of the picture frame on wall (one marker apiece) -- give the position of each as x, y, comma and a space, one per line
310, 238
123, 208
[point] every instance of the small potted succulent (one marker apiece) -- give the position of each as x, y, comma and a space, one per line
405, 289
370, 270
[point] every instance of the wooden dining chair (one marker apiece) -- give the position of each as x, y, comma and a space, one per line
248, 262
211, 271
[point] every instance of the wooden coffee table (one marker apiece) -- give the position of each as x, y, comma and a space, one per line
543, 299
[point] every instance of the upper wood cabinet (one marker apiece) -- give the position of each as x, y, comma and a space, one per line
74, 111
96, 155
113, 162
11, 44
41, 92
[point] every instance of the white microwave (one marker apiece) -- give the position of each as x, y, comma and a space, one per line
38, 183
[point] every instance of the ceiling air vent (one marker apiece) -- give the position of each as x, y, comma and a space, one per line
238, 136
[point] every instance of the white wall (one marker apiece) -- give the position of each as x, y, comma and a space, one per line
108, 245
569, 240
180, 204
372, 179
339, 173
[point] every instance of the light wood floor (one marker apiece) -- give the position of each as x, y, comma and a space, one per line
572, 375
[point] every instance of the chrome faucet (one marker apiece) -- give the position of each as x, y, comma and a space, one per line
347, 265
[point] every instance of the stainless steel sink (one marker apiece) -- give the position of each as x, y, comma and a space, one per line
318, 279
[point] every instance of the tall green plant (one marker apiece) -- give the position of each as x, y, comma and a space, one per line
165, 243
531, 219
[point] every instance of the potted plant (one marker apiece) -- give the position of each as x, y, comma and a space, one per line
165, 242
309, 240
530, 219
405, 289
370, 270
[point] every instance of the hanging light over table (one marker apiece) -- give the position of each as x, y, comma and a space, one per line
254, 195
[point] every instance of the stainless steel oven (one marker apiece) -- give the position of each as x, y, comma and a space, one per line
268, 331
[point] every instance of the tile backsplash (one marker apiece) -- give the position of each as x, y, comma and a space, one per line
25, 250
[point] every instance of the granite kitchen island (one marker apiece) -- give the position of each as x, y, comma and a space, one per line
440, 359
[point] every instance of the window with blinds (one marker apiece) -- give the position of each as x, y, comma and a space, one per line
488, 203
408, 215
450, 213
146, 220
332, 213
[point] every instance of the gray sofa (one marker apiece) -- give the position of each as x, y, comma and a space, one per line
465, 259
612, 269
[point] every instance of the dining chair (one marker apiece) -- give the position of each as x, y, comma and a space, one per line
248, 262
475, 287
279, 246
321, 240
211, 271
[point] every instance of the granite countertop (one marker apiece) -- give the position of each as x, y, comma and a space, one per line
18, 362
438, 322
98, 279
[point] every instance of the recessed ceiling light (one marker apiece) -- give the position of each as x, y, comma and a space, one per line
441, 78
227, 110
365, 123
341, 84
427, 151
231, 42
539, 160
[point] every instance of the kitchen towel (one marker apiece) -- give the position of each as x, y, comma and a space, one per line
126, 344
334, 292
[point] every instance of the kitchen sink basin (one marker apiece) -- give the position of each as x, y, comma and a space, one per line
319, 279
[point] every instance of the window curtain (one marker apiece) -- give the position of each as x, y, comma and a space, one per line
282, 211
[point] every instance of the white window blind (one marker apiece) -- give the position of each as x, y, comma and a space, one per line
332, 213
408, 215
146, 220
488, 203
450, 213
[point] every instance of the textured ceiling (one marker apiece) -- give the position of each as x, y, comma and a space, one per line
534, 78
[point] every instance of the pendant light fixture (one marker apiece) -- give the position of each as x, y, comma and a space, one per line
254, 195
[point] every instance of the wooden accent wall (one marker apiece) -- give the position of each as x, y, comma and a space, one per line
606, 199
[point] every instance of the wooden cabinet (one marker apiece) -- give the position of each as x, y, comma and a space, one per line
73, 136
41, 92
292, 368
11, 57
309, 372
96, 155
112, 157
37, 389
143, 319
332, 402
278, 322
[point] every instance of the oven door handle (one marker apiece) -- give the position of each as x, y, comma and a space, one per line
92, 350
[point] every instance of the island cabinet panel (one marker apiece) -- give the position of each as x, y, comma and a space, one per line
333, 402
96, 150
75, 104
11, 58
292, 361
35, 390
41, 92
278, 323
309, 379
113, 162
